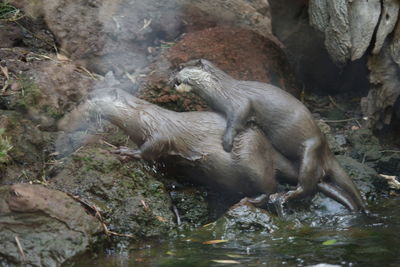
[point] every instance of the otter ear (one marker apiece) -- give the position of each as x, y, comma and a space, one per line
200, 63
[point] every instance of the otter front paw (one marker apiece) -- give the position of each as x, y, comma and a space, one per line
227, 143
125, 151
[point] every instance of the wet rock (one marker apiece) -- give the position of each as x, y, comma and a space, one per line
246, 217
243, 54
191, 205
366, 178
365, 146
127, 194
42, 227
242, 219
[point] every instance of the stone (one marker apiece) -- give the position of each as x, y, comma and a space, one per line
43, 227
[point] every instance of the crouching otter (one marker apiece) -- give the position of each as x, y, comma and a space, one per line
189, 140
285, 121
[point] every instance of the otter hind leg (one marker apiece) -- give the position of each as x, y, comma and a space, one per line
259, 201
236, 122
311, 171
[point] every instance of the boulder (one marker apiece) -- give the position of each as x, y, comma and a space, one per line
42, 227
241, 53
118, 33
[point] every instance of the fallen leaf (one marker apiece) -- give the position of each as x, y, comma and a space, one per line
210, 242
208, 224
161, 219
329, 242
226, 261
5, 72
62, 57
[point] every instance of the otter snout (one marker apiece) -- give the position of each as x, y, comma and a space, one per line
180, 84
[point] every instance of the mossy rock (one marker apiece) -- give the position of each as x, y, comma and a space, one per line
128, 194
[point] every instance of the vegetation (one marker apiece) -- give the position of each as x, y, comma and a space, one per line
5, 146
9, 12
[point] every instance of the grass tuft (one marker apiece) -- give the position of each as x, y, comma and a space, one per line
5, 147
9, 12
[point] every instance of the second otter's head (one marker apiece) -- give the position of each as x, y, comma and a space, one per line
192, 75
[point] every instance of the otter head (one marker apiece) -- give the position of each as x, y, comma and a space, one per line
194, 75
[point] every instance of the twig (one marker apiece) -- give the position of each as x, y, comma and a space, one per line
97, 214
107, 143
146, 23
335, 104
108, 232
21, 251
344, 120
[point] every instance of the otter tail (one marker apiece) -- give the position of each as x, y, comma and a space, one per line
337, 194
341, 180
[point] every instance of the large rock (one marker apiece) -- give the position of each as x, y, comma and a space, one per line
118, 33
127, 194
42, 227
243, 54
389, 15
348, 26
378, 106
307, 53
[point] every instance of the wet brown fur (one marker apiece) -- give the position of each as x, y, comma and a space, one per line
285, 121
191, 140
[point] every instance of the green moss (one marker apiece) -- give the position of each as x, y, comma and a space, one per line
30, 93
5, 146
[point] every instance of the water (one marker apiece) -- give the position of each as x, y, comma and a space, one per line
343, 239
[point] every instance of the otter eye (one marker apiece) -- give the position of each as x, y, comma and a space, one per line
180, 67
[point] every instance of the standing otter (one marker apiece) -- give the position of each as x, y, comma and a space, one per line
286, 122
192, 141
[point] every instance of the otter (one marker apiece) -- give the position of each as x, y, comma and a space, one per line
285, 121
191, 140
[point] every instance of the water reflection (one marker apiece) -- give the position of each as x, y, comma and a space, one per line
343, 239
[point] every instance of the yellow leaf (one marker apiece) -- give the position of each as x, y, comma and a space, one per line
209, 224
161, 219
226, 261
210, 242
